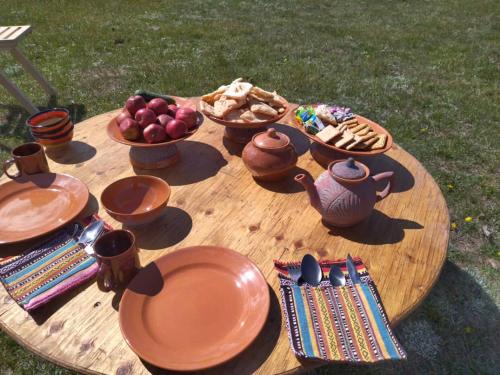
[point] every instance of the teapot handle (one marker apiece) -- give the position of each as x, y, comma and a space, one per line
383, 176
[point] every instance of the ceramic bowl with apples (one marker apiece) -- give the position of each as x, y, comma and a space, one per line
143, 123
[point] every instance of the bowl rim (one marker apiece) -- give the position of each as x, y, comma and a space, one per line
51, 132
152, 178
47, 111
54, 137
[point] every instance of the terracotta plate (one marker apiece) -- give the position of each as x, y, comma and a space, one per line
378, 128
251, 125
37, 205
194, 308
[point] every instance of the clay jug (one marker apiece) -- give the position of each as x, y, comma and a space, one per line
345, 193
269, 156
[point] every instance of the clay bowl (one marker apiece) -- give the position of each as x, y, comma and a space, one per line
56, 141
251, 125
53, 134
49, 120
378, 128
136, 200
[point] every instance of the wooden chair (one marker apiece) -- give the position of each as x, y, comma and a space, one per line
10, 36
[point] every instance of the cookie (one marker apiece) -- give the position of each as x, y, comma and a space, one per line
328, 133
349, 122
224, 105
347, 137
264, 109
207, 108
382, 139
358, 128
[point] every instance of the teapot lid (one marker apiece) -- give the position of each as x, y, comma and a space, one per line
349, 170
271, 139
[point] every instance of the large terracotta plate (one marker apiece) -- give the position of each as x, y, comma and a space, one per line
194, 308
251, 125
37, 205
378, 128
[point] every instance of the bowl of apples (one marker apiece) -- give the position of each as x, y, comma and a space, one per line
152, 126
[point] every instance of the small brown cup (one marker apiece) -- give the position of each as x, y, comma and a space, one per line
116, 255
29, 159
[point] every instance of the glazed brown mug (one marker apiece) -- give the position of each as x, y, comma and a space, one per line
117, 257
29, 158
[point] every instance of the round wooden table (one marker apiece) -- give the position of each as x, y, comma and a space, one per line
215, 201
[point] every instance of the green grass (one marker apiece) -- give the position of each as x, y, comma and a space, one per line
426, 70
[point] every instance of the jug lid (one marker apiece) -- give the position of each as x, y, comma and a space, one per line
271, 139
349, 170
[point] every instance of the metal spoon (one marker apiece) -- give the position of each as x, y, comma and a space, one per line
90, 235
336, 276
311, 271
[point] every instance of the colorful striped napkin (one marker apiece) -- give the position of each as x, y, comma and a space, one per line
48, 270
338, 324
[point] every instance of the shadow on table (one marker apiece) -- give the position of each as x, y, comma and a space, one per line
403, 179
299, 140
169, 229
286, 186
455, 331
43, 313
150, 286
378, 229
73, 153
198, 161
253, 357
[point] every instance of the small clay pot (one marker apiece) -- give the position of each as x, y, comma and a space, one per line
269, 156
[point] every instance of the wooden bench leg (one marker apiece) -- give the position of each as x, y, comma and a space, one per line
16, 52
18, 94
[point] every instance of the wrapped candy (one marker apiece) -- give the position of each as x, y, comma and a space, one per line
341, 114
307, 117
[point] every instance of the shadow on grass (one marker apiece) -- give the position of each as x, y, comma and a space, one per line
454, 331
16, 117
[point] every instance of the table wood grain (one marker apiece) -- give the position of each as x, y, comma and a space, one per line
215, 201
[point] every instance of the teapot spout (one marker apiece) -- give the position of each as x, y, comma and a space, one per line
308, 184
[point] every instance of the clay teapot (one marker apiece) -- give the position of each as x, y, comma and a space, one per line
269, 156
345, 194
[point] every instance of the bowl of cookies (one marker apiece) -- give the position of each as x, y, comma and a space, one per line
244, 109
342, 131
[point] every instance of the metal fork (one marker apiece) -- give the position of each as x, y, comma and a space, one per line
294, 272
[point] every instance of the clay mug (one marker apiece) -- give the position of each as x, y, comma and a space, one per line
29, 158
116, 254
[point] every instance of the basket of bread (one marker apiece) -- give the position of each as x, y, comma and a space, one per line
339, 129
243, 105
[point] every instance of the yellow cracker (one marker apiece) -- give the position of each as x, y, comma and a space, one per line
328, 133
365, 131
349, 122
358, 128
382, 139
347, 137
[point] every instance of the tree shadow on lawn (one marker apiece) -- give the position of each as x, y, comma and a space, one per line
15, 124
455, 330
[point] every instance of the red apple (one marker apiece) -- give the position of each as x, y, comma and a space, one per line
122, 116
172, 109
154, 133
158, 105
163, 120
130, 129
145, 117
176, 129
134, 103
188, 115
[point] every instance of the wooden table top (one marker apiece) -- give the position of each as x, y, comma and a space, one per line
215, 201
